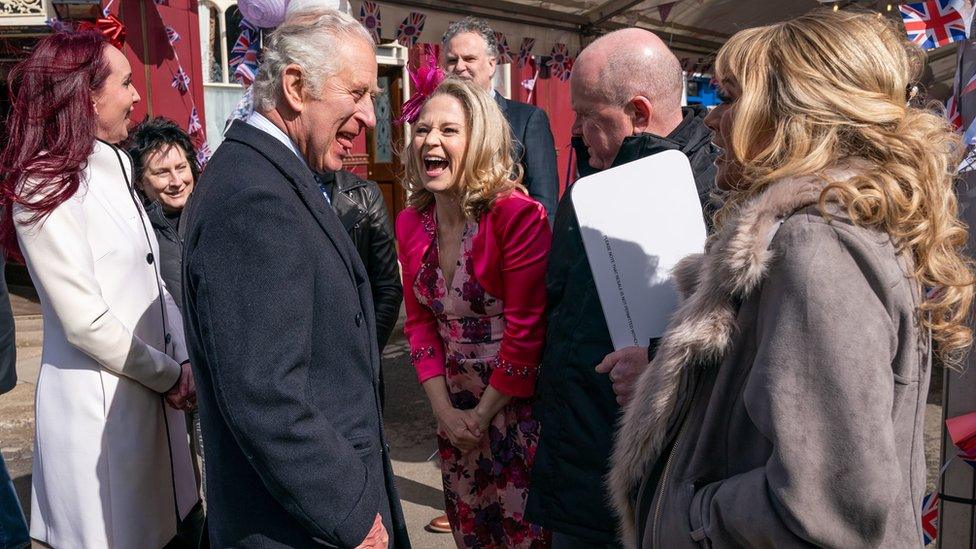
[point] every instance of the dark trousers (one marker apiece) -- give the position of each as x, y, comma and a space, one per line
566, 541
13, 525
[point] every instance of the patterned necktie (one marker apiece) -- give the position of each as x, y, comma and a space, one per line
324, 188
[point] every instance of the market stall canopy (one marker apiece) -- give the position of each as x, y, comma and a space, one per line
693, 28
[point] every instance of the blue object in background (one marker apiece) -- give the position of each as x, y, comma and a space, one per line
702, 92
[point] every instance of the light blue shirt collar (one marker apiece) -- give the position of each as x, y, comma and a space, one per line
260, 122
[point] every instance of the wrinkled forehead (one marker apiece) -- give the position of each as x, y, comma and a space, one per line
586, 95
466, 43
357, 67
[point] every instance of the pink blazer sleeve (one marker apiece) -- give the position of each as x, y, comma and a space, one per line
420, 328
523, 238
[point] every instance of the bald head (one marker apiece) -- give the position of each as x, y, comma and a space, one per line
625, 83
629, 62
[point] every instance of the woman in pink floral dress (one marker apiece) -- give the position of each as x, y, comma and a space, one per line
474, 250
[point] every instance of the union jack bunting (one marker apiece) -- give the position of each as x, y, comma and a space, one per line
970, 86
247, 71
525, 51
203, 154
172, 35
181, 80
242, 45
504, 52
408, 33
369, 17
930, 517
194, 125
244, 55
933, 23
952, 112
560, 63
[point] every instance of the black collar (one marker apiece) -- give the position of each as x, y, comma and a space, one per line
344, 181
502, 102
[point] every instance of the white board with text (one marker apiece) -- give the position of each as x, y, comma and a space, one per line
637, 221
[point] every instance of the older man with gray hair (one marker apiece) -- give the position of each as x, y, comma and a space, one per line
278, 312
471, 53
626, 91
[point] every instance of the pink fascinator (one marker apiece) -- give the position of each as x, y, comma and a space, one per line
424, 81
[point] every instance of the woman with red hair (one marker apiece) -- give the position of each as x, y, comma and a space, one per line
112, 466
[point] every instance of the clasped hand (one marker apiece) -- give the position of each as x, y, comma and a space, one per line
464, 428
183, 395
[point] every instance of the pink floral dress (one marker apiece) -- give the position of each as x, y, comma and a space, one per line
485, 489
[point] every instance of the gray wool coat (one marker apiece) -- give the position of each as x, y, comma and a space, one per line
784, 407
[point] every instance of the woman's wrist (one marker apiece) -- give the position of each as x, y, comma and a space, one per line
440, 408
482, 416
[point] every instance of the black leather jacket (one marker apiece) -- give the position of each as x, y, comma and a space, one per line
362, 211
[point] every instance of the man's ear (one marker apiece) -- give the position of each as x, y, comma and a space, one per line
640, 110
492, 62
293, 87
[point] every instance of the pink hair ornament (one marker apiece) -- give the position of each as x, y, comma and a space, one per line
424, 82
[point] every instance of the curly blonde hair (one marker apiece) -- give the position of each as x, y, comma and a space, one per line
809, 100
487, 169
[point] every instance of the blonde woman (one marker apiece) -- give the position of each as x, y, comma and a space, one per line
474, 250
784, 406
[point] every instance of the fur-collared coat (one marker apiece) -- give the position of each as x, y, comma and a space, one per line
784, 407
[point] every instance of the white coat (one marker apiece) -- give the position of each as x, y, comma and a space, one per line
106, 472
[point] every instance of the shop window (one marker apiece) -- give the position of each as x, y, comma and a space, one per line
232, 26
211, 44
219, 29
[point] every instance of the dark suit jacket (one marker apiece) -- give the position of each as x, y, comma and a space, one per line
535, 150
8, 340
281, 334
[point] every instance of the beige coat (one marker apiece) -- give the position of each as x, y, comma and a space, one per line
106, 474
784, 406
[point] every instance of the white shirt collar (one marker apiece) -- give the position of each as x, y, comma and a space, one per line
261, 122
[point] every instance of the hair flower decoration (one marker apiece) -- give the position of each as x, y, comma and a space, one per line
424, 82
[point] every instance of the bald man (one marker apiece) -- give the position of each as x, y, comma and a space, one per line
626, 90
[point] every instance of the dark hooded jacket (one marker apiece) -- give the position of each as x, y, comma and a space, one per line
576, 405
166, 226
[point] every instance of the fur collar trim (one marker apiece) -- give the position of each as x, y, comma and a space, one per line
701, 329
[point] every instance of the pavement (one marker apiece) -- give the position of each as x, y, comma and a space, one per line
408, 418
